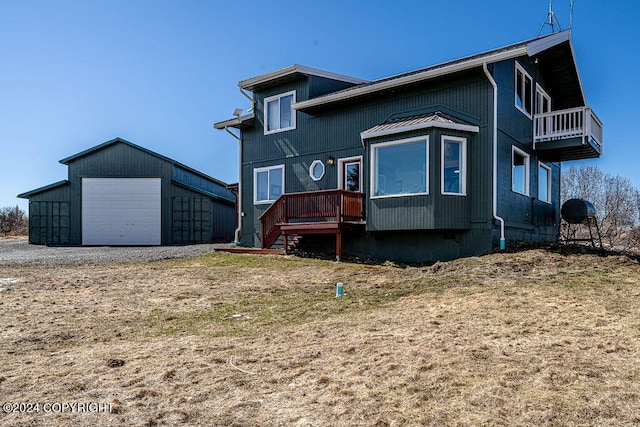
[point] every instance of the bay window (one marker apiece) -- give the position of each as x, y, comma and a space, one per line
454, 175
400, 168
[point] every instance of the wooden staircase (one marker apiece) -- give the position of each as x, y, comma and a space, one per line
315, 212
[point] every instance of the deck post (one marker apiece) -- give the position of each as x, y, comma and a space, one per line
285, 244
338, 245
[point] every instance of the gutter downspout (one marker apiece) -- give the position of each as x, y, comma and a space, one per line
236, 241
495, 155
246, 95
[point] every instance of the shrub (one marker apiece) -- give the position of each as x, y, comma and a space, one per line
13, 221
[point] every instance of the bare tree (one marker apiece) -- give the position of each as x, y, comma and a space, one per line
13, 221
616, 200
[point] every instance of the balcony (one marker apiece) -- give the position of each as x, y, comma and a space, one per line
314, 212
567, 134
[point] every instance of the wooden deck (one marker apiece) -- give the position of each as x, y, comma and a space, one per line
315, 212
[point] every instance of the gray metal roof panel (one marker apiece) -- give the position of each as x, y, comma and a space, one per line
296, 69
537, 44
91, 150
401, 122
28, 194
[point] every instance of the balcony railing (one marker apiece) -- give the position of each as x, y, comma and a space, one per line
314, 206
579, 122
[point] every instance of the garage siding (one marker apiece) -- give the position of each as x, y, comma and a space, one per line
59, 214
191, 220
49, 223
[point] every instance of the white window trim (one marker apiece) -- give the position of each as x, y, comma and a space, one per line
515, 92
341, 163
255, 184
266, 101
549, 178
374, 166
515, 150
313, 165
544, 94
463, 165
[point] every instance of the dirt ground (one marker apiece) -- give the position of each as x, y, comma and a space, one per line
536, 337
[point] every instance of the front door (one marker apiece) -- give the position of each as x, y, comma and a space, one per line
350, 174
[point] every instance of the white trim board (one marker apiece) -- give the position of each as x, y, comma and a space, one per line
250, 83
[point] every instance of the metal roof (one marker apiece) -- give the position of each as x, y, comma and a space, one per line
204, 192
420, 121
235, 122
118, 140
28, 194
205, 179
292, 71
528, 47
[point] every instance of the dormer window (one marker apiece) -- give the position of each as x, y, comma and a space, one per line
524, 91
278, 114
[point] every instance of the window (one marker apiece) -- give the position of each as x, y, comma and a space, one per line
316, 170
543, 105
519, 171
349, 176
543, 101
268, 184
524, 91
399, 168
278, 114
454, 160
544, 183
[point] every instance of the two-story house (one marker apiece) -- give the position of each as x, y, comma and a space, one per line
446, 161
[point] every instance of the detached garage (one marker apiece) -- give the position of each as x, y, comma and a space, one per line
118, 193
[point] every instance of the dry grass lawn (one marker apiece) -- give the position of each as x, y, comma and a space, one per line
529, 338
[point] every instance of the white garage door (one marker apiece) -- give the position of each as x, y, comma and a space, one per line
121, 211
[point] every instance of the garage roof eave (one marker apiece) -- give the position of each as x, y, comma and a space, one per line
203, 192
69, 159
28, 194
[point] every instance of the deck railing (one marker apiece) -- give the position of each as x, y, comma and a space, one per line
564, 124
327, 205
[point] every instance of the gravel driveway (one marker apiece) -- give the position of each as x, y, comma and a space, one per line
21, 252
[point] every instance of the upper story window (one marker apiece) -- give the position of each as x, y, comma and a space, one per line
454, 159
519, 171
544, 183
524, 91
278, 114
400, 168
268, 184
543, 100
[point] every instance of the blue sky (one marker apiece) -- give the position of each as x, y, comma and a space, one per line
74, 74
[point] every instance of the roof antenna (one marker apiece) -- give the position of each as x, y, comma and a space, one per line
571, 16
550, 20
